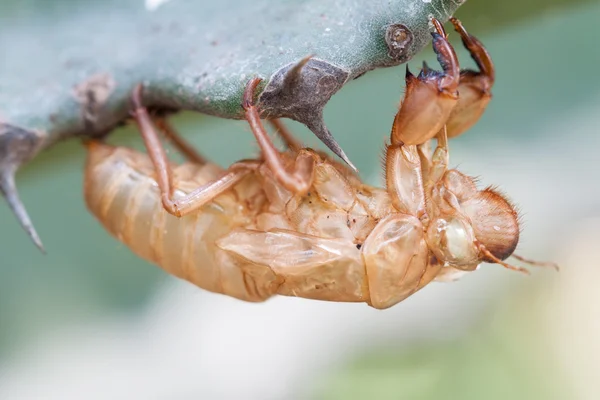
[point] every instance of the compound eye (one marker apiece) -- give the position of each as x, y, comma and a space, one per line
452, 241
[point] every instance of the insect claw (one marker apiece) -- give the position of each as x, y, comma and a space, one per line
426, 68
474, 87
431, 93
408, 75
136, 98
9, 191
439, 28
248, 96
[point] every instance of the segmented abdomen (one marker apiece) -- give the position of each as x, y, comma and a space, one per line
121, 193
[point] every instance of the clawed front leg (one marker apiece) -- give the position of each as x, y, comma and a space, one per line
434, 167
404, 180
474, 88
164, 177
430, 97
298, 181
453, 98
440, 159
425, 155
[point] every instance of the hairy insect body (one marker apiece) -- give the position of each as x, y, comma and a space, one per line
342, 241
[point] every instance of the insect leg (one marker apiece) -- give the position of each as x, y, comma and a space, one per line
404, 180
474, 87
196, 199
182, 146
424, 151
284, 133
298, 181
433, 167
439, 161
430, 97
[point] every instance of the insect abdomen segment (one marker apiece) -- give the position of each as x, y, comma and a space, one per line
121, 193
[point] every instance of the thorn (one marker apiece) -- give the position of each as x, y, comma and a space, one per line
9, 191
311, 112
340, 153
293, 75
320, 130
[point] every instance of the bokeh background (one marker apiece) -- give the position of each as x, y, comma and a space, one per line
90, 320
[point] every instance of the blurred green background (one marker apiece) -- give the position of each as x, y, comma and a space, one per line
90, 320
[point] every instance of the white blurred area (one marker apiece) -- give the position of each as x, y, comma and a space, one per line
572, 311
189, 344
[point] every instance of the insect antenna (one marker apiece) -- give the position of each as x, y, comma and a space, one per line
536, 263
496, 260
